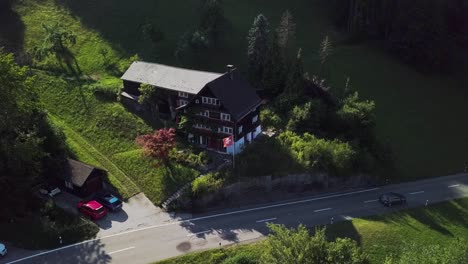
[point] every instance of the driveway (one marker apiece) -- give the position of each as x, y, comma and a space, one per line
137, 212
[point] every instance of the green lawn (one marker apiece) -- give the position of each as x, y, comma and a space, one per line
379, 236
421, 116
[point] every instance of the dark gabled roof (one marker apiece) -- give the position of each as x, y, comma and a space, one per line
77, 172
168, 77
235, 94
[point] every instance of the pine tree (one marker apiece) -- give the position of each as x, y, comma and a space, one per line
295, 82
326, 50
257, 48
286, 32
274, 76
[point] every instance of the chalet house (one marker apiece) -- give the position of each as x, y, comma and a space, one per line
218, 105
82, 179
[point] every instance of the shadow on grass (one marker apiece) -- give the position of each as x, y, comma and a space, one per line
11, 28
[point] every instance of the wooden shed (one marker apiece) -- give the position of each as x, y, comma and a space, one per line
82, 179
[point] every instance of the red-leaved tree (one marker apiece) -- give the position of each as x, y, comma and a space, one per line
158, 144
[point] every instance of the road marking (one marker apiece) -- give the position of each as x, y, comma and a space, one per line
265, 220
371, 201
453, 186
192, 220
321, 210
117, 251
348, 218
196, 234
417, 192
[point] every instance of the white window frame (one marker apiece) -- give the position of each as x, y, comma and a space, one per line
225, 117
239, 129
183, 94
254, 119
210, 100
227, 130
183, 102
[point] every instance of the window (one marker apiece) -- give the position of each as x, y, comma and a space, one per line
197, 101
183, 94
254, 119
226, 117
239, 130
209, 100
181, 102
201, 126
227, 130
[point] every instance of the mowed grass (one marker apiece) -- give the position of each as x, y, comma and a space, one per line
421, 116
379, 236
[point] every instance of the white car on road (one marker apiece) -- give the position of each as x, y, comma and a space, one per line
3, 250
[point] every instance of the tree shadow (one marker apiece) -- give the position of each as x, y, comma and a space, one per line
342, 229
92, 252
11, 29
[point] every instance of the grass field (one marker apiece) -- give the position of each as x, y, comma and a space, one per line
421, 116
379, 236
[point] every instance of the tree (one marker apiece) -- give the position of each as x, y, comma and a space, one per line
298, 246
257, 48
286, 33
28, 144
212, 20
158, 144
295, 82
274, 76
149, 97
56, 41
325, 52
357, 117
151, 32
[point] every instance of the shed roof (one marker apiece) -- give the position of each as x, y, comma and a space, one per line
78, 172
168, 77
235, 94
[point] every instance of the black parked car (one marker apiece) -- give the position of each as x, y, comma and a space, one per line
389, 199
109, 201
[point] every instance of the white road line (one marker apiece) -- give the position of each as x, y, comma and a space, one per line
195, 219
117, 251
198, 233
265, 220
453, 186
417, 192
321, 210
371, 201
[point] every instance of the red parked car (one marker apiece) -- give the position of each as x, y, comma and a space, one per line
92, 209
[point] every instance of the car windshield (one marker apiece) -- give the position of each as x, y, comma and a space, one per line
100, 209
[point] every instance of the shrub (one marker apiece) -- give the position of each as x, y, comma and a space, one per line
205, 184
270, 119
242, 258
331, 156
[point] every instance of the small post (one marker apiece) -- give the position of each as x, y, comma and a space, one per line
60, 240
466, 168
427, 201
331, 220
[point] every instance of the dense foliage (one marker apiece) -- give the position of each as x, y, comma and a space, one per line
29, 145
159, 144
205, 184
298, 246
420, 32
257, 48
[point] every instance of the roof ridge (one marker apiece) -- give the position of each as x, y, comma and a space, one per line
179, 68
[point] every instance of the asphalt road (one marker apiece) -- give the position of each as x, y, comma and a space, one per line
180, 236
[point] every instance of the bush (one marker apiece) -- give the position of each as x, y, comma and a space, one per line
334, 157
242, 258
205, 184
270, 119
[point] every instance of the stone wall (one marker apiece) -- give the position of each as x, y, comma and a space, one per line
267, 189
